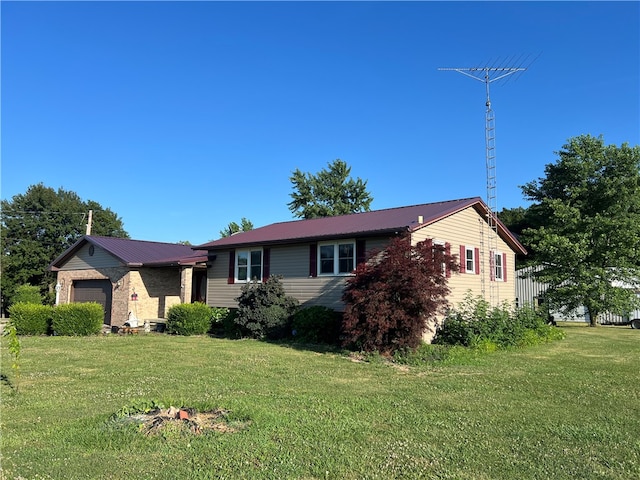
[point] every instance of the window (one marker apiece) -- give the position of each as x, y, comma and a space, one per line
336, 258
248, 265
470, 260
445, 246
499, 267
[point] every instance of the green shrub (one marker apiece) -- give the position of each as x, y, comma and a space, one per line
218, 317
31, 318
264, 310
15, 348
230, 328
27, 294
475, 324
81, 319
192, 318
316, 324
424, 354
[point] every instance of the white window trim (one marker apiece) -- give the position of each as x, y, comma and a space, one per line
471, 271
498, 255
336, 258
248, 252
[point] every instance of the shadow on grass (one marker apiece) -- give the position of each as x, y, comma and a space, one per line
307, 347
6, 381
288, 342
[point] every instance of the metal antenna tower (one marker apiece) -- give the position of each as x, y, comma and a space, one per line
488, 75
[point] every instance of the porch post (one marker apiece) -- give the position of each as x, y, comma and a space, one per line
186, 284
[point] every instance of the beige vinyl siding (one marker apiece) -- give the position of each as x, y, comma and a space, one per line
83, 261
219, 292
292, 263
467, 228
376, 244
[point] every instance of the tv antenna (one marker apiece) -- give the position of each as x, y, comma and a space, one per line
488, 75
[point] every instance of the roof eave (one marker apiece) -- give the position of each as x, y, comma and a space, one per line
64, 256
314, 238
508, 237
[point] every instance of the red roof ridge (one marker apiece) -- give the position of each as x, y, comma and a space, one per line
342, 226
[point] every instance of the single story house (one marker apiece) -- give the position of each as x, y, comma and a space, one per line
315, 256
130, 277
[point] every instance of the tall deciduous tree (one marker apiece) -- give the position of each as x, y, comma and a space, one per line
329, 192
39, 225
589, 242
517, 220
233, 227
395, 295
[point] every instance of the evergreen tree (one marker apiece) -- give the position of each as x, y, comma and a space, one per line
329, 192
233, 227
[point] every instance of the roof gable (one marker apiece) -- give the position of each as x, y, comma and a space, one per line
136, 252
387, 221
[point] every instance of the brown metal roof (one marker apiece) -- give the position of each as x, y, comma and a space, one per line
385, 221
137, 252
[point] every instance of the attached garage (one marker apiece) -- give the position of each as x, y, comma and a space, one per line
98, 291
130, 277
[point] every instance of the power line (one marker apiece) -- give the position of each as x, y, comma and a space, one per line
23, 212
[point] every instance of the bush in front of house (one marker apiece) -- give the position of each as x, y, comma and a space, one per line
475, 324
27, 294
78, 319
316, 324
31, 318
218, 318
265, 310
194, 318
395, 295
189, 319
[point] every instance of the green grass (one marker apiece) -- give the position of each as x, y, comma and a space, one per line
567, 409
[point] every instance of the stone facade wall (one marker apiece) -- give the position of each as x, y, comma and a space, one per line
157, 289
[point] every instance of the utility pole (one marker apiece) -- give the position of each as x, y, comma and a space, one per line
89, 222
488, 75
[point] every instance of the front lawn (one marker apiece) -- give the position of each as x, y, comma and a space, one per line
567, 409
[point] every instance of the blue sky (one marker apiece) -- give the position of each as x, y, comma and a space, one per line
184, 116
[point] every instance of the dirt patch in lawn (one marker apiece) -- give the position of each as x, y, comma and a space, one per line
182, 420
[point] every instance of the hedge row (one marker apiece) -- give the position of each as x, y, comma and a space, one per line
31, 318
193, 318
70, 319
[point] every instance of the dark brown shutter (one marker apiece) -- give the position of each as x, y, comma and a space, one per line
266, 264
476, 254
313, 260
463, 258
232, 267
361, 251
504, 267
